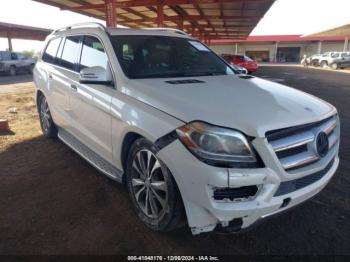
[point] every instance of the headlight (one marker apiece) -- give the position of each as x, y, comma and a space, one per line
218, 146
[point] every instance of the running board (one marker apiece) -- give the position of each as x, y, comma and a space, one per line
90, 156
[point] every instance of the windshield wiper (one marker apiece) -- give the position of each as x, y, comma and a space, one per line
176, 74
203, 74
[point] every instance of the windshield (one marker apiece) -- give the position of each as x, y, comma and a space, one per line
147, 56
247, 58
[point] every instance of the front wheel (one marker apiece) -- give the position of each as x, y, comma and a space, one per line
47, 125
152, 189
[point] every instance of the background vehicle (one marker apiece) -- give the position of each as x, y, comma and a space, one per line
12, 62
160, 112
239, 69
328, 58
340, 60
314, 59
241, 60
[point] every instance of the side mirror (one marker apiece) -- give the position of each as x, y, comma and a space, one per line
96, 75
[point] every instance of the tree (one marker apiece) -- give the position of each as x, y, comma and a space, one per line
28, 53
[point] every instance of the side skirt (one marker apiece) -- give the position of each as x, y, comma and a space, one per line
90, 156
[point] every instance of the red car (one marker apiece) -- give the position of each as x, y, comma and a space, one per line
243, 61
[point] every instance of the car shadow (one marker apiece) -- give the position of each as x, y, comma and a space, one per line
52, 199
21, 77
7, 133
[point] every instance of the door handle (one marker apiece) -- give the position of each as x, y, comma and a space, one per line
50, 76
74, 87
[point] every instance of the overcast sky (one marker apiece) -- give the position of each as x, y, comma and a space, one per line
285, 17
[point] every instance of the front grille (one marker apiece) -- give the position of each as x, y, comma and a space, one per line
293, 185
295, 147
238, 193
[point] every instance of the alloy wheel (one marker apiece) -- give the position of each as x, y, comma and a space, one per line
149, 184
45, 115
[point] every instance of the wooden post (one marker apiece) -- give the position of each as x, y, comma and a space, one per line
160, 16
4, 125
181, 23
111, 14
275, 54
9, 40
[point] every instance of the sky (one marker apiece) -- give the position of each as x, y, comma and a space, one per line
284, 17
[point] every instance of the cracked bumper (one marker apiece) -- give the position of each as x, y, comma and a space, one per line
197, 182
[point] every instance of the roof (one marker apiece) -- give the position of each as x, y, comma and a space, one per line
280, 38
23, 32
213, 19
341, 31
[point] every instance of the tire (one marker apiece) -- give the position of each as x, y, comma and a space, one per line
324, 64
12, 71
334, 66
47, 125
154, 195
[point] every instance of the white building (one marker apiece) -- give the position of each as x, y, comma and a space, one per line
278, 48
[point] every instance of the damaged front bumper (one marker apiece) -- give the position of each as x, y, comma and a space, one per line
231, 200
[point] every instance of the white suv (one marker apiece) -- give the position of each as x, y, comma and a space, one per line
192, 140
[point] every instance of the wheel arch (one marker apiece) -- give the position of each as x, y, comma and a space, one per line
38, 95
128, 141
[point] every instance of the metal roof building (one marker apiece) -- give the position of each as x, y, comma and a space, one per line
14, 31
203, 19
280, 48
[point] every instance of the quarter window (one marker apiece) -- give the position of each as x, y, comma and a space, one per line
51, 50
93, 53
70, 52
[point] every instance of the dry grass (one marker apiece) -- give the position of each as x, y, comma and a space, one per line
17, 105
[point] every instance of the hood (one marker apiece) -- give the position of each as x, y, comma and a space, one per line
250, 105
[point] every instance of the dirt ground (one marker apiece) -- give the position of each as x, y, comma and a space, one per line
53, 202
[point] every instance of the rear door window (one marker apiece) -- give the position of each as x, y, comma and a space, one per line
70, 52
51, 51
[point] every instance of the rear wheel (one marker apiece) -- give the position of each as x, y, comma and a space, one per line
152, 189
324, 64
47, 125
334, 66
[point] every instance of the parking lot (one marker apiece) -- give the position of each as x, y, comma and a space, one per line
53, 202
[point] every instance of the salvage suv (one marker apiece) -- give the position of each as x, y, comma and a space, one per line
193, 141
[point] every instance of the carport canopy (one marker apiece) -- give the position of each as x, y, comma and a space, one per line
14, 31
203, 19
342, 31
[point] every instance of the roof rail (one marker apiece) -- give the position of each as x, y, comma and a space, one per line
173, 30
92, 24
